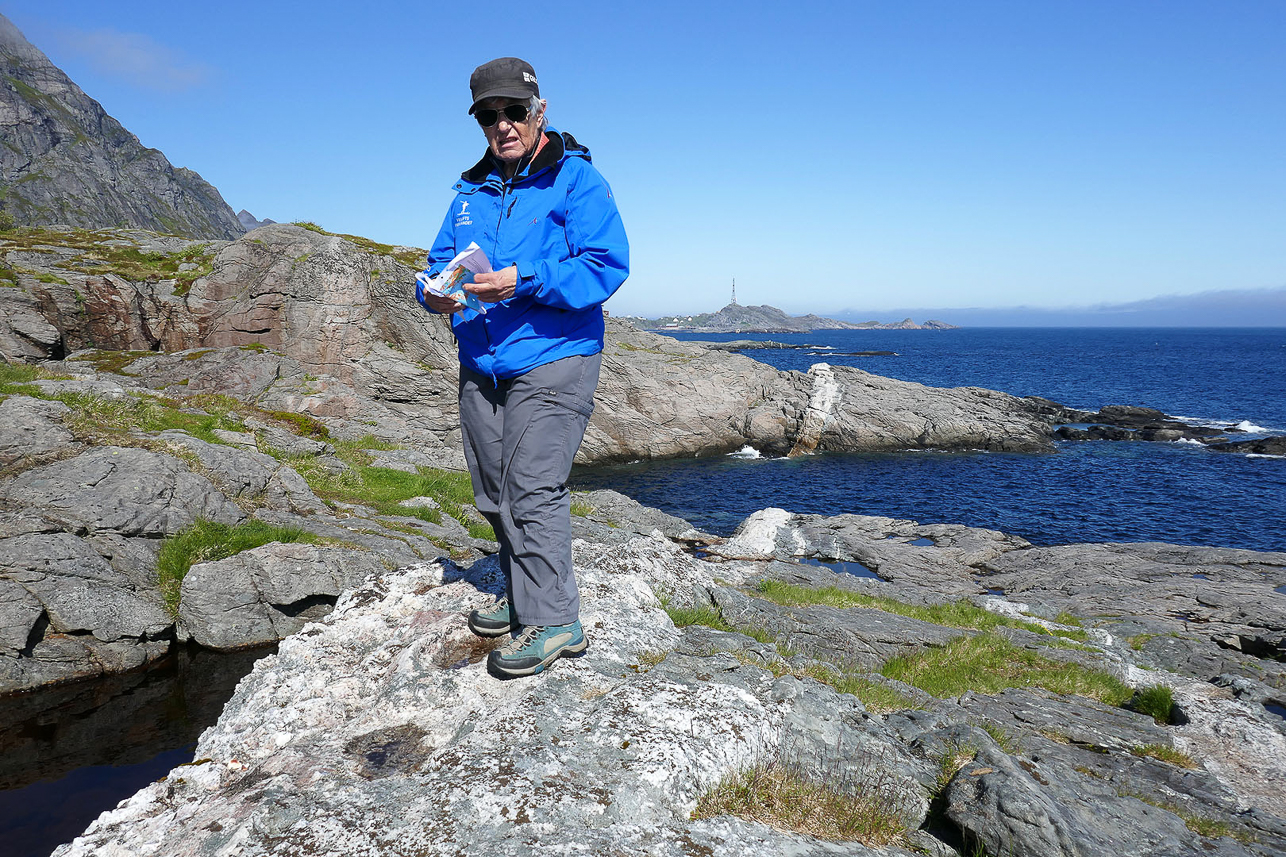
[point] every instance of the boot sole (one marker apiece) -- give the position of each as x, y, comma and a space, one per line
489, 632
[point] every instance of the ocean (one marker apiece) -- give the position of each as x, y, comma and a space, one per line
1086, 491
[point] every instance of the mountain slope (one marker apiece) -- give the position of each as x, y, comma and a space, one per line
64, 160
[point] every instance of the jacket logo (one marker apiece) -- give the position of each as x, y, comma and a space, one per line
462, 217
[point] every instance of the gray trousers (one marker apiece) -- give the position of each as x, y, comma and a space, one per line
520, 436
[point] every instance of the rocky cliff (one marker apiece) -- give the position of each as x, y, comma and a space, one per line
65, 161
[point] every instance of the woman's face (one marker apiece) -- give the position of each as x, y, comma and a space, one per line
509, 140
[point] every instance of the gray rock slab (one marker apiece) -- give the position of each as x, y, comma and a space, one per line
65, 657
19, 612
132, 492
250, 476
405, 460
79, 590
286, 442
1030, 809
31, 429
394, 547
1076, 720
623, 513
1232, 603
265, 594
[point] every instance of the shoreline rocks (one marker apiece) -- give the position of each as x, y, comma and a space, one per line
376, 729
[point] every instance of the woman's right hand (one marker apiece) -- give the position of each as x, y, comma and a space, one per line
435, 302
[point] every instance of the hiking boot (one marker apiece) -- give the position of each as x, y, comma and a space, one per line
492, 622
535, 648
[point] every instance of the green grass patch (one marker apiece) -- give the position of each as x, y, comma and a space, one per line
383, 489
785, 798
1004, 740
42, 276
988, 663
1165, 754
954, 614
1138, 641
1156, 701
1198, 824
877, 697
206, 541
706, 614
102, 254
112, 420
581, 509
410, 256
16, 379
111, 361
305, 425
131, 263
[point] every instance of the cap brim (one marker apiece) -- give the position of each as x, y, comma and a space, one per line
500, 92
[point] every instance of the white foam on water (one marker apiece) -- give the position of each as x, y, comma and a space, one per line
1225, 424
747, 452
1250, 428
1189, 441
1264, 455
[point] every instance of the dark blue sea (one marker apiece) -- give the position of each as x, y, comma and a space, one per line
1086, 491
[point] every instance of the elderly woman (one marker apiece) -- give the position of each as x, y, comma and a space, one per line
529, 364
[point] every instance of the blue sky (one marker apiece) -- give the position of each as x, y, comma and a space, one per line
829, 156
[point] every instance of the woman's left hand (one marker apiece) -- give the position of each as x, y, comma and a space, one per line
496, 286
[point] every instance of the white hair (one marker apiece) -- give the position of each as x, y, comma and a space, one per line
534, 106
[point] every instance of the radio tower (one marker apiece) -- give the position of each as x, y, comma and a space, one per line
734, 291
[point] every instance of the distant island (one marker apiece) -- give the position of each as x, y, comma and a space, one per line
735, 318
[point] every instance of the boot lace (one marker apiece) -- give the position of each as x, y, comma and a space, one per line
526, 638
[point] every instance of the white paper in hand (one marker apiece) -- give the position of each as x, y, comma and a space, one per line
451, 280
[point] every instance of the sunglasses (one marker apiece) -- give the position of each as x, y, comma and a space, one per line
487, 116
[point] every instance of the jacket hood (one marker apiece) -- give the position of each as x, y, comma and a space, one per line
558, 147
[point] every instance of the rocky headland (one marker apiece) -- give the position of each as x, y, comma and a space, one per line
227, 443
736, 318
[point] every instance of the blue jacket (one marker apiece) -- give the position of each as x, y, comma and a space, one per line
557, 221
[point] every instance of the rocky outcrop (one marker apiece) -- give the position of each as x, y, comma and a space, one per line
248, 221
1130, 422
340, 313
1197, 611
377, 730
757, 344
81, 526
735, 318
1264, 446
64, 160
